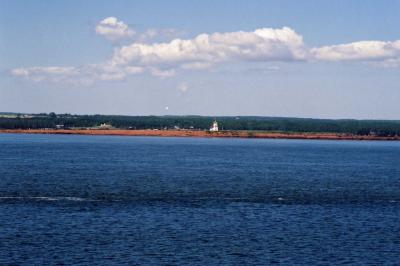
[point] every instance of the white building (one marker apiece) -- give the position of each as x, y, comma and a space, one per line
214, 126
105, 126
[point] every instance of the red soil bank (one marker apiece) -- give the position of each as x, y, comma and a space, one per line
200, 133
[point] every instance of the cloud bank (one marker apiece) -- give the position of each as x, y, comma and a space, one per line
164, 59
264, 44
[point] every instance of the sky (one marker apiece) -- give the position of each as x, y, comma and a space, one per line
318, 59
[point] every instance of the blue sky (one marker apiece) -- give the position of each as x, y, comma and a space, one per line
328, 59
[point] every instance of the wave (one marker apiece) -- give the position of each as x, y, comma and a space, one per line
44, 198
197, 199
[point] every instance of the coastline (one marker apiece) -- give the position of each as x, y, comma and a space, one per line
200, 133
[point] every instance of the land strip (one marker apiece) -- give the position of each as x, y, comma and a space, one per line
202, 133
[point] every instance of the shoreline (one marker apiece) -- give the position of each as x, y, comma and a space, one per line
200, 133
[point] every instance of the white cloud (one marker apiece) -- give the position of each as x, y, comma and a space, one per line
52, 73
113, 29
264, 44
43, 70
87, 74
158, 35
162, 73
134, 70
359, 51
183, 87
165, 59
197, 65
111, 76
388, 63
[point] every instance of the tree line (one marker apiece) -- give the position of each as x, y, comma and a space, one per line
359, 127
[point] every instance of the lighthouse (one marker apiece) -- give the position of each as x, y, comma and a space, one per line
214, 126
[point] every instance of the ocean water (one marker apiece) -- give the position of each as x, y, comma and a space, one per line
108, 200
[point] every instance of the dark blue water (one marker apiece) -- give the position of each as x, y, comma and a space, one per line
105, 200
